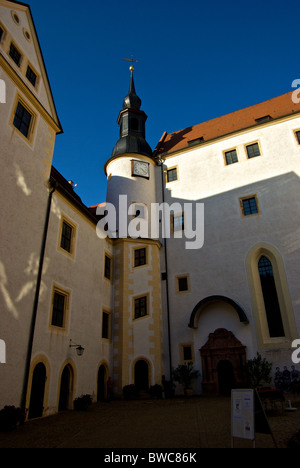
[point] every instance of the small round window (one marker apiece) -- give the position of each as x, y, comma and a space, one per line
15, 17
27, 35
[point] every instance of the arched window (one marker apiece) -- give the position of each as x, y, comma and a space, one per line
270, 296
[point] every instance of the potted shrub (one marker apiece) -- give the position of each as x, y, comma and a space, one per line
10, 418
82, 403
130, 392
156, 391
184, 374
258, 371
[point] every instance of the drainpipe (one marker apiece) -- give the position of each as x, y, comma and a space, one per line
36, 301
167, 278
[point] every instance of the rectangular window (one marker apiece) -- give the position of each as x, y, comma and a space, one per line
178, 223
108, 267
249, 206
265, 118
172, 175
140, 307
15, 54
140, 257
187, 353
298, 136
253, 150
59, 308
31, 76
106, 325
183, 284
22, 120
195, 142
66, 237
231, 157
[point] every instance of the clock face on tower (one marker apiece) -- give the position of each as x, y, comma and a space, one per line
140, 169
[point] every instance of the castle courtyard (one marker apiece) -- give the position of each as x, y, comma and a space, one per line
179, 423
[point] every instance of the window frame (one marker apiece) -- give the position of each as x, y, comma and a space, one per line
264, 340
138, 249
109, 257
108, 313
177, 285
65, 318
31, 129
168, 171
66, 221
11, 54
33, 71
182, 347
4, 33
146, 306
225, 153
297, 136
182, 224
242, 208
248, 145
275, 306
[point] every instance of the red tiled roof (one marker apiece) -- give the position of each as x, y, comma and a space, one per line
275, 108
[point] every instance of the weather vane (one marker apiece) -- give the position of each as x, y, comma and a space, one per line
132, 60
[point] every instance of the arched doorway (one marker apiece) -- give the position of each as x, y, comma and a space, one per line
225, 377
36, 406
141, 376
223, 362
101, 383
66, 386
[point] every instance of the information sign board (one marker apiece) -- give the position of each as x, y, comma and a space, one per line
243, 414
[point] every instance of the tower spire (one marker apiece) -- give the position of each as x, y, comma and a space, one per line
132, 101
132, 124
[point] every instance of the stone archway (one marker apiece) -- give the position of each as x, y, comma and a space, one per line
102, 383
141, 375
212, 299
66, 389
36, 406
223, 351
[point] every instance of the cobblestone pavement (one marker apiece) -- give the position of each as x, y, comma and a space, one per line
178, 423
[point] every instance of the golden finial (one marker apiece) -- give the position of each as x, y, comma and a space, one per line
132, 60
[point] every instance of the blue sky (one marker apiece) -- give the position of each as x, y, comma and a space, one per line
197, 60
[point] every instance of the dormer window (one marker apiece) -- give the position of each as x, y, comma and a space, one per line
197, 141
265, 118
